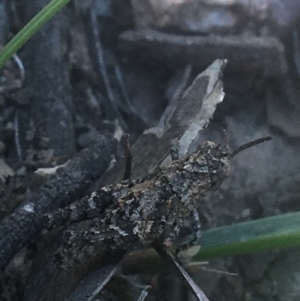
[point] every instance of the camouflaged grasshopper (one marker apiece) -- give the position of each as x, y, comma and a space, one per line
130, 215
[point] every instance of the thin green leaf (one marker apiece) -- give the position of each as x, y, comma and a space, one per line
275, 232
30, 29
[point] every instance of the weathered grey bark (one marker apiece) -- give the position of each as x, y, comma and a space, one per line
183, 119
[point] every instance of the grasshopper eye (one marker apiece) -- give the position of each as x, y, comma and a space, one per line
220, 173
223, 168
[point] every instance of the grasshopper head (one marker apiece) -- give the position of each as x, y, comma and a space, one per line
217, 158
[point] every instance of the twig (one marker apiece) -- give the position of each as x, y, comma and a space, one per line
68, 184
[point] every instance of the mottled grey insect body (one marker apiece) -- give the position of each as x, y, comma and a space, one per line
132, 215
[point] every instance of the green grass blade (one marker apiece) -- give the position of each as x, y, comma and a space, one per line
30, 29
275, 232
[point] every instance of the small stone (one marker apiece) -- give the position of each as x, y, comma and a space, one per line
44, 142
22, 171
246, 213
29, 135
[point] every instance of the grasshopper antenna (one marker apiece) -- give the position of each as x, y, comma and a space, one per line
249, 144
